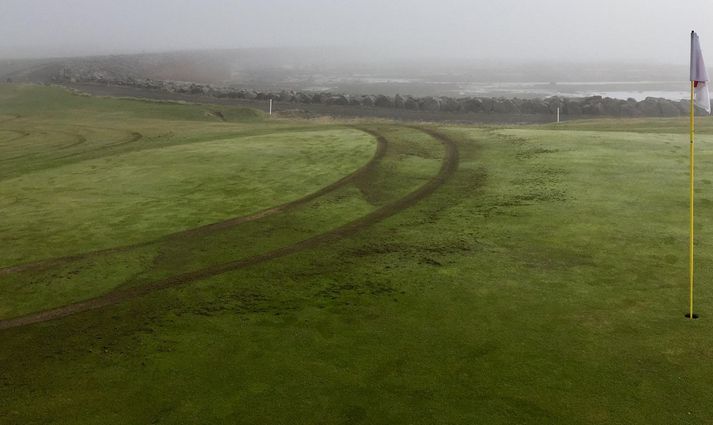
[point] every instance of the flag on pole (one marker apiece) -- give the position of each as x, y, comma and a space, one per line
699, 75
700, 98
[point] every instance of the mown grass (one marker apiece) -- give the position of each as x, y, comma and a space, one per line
92, 187
139, 196
142, 195
545, 282
677, 125
55, 103
73, 281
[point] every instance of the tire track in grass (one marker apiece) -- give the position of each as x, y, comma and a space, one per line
378, 155
134, 137
448, 166
13, 118
20, 135
213, 227
78, 139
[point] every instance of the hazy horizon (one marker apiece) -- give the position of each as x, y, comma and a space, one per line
546, 31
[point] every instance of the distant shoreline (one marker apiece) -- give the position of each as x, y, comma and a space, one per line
408, 108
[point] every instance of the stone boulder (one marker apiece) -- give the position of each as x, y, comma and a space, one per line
650, 107
285, 96
629, 110
399, 101
487, 103
368, 101
472, 104
612, 107
504, 106
301, 97
430, 104
684, 106
411, 104
593, 105
448, 104
554, 102
668, 108
337, 100
572, 107
384, 101
535, 106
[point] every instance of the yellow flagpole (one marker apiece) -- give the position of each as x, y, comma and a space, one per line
690, 243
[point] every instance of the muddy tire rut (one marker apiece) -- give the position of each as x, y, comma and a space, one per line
448, 166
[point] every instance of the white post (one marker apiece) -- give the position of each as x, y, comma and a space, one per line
558, 115
270, 107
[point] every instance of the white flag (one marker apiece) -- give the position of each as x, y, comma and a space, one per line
699, 75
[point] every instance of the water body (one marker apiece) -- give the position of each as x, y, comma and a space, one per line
639, 90
362, 84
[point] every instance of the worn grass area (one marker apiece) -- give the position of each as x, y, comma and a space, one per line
545, 282
394, 175
83, 195
139, 196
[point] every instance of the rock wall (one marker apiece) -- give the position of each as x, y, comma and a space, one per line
569, 107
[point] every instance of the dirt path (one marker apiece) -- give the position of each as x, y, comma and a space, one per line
448, 167
209, 228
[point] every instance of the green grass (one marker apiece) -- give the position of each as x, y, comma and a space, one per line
545, 282
75, 178
704, 125
55, 103
23, 293
139, 196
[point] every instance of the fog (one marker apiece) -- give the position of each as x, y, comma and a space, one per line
546, 30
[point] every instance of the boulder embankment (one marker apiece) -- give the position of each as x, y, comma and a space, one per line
570, 107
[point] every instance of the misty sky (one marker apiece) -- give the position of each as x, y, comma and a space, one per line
475, 29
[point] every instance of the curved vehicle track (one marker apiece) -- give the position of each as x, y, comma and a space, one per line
448, 166
20, 135
13, 118
78, 139
134, 137
209, 228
